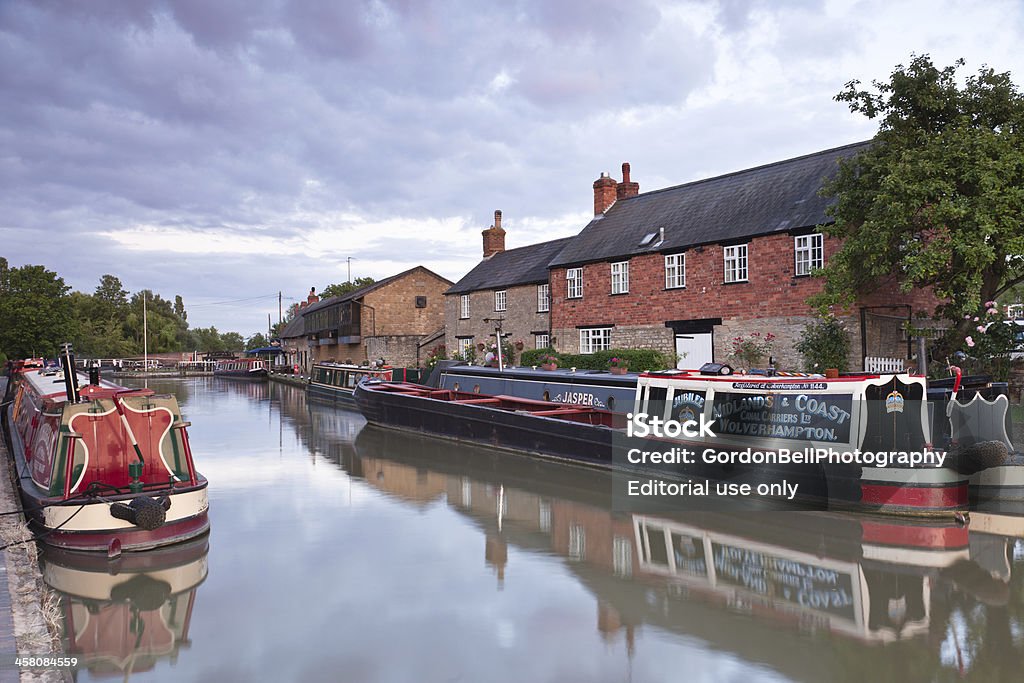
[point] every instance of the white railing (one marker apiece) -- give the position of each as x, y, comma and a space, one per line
878, 364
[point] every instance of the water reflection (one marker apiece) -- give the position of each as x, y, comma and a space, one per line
942, 598
121, 617
344, 552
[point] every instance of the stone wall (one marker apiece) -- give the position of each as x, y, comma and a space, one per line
521, 318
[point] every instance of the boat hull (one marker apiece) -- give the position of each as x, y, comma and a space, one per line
882, 490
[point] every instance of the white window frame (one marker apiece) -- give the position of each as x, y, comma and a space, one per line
595, 339
541, 341
464, 307
736, 263
675, 271
620, 277
574, 283
500, 299
543, 298
465, 343
808, 253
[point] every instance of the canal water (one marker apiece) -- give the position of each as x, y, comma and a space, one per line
343, 552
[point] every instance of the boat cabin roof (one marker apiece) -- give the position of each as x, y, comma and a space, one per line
50, 385
779, 380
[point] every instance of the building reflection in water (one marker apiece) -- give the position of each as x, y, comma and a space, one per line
912, 600
126, 615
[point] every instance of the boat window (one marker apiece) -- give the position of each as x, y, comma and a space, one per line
547, 396
611, 403
655, 404
352, 379
476, 388
455, 387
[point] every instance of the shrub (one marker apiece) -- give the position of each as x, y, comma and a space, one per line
752, 349
824, 344
437, 353
639, 360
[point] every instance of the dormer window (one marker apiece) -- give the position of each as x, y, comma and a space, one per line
648, 239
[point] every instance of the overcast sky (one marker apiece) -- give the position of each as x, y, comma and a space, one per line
230, 149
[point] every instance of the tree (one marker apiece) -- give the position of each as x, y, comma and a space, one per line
345, 287
256, 341
34, 311
111, 292
937, 200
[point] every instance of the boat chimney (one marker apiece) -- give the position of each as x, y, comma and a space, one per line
94, 373
67, 359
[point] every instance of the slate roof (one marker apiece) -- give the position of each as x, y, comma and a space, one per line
295, 327
363, 291
520, 266
775, 198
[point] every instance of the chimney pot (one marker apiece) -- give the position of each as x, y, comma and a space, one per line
494, 237
604, 194
626, 188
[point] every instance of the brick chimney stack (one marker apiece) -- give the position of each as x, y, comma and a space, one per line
604, 194
494, 237
626, 189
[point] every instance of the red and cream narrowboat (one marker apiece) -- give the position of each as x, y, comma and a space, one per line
99, 466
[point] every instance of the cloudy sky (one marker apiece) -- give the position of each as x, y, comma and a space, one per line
229, 150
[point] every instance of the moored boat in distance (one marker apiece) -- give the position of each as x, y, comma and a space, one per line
241, 368
101, 467
337, 381
873, 413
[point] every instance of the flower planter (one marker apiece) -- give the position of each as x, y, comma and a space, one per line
548, 366
618, 371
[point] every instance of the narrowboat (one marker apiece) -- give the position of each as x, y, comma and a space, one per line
764, 430
336, 381
241, 368
101, 467
597, 388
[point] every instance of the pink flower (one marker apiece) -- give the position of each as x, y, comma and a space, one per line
970, 342
980, 328
992, 311
990, 304
967, 317
975, 318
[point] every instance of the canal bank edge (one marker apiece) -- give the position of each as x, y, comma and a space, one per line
23, 627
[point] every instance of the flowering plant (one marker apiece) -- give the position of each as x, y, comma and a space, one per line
991, 341
618, 363
548, 360
752, 349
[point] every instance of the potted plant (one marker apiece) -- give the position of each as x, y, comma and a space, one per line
618, 366
548, 362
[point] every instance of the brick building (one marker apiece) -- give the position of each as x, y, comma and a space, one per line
685, 269
391, 319
510, 286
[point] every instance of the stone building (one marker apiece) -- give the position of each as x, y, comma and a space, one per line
507, 286
686, 269
391, 319
297, 348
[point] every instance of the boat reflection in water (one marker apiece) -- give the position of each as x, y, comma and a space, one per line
814, 596
123, 616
